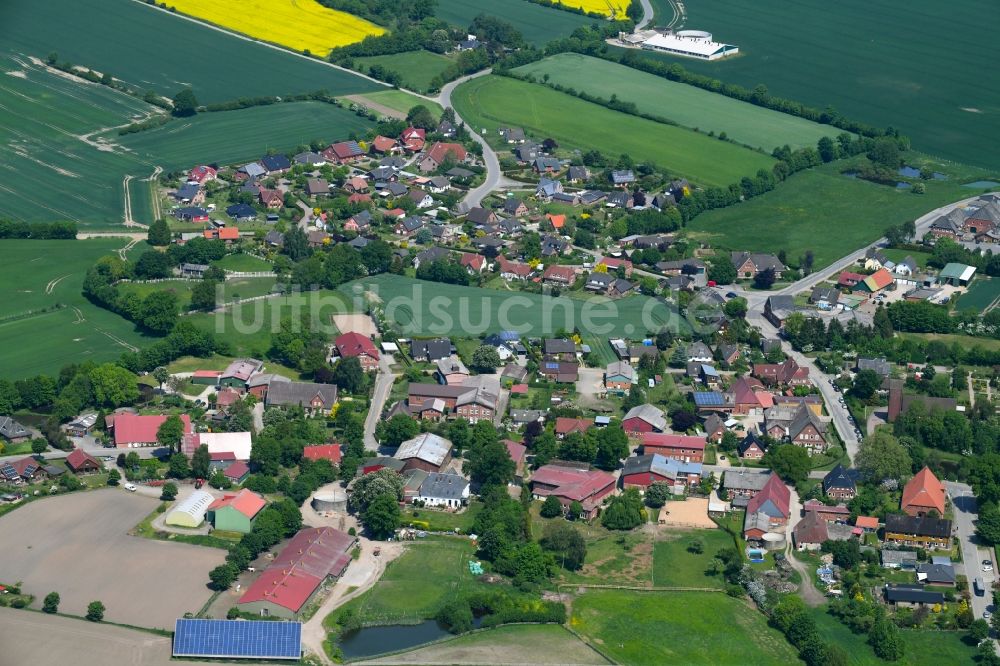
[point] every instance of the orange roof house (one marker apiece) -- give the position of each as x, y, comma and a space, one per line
558, 221
922, 494
877, 281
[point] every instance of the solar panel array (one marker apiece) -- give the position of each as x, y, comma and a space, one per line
237, 639
8, 472
707, 399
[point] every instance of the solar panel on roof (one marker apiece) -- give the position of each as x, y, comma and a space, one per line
237, 639
551, 366
8, 471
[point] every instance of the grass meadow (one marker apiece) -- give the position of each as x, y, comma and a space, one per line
686, 105
154, 50
675, 566
538, 24
983, 294
492, 101
418, 68
886, 64
635, 627
38, 337
234, 289
226, 137
301, 25
399, 101
245, 263
823, 211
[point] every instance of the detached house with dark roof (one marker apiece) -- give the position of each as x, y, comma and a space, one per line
749, 264
840, 483
313, 398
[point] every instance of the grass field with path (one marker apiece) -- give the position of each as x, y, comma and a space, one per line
983, 294
428, 308
226, 137
493, 101
418, 68
885, 64
678, 628
399, 101
301, 25
686, 105
152, 49
538, 24
41, 274
823, 211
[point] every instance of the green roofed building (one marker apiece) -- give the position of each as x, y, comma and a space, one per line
957, 275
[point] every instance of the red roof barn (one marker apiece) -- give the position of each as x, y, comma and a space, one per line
355, 345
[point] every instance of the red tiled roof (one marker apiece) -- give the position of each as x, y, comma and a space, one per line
329, 452
359, 198
517, 268
867, 522
413, 133
564, 272
774, 490
237, 471
668, 441
344, 149
614, 263
515, 450
847, 278
519, 389
383, 143
229, 233
222, 456
439, 152
78, 457
301, 567
574, 484
135, 428
355, 344
211, 374
924, 491
566, 425
246, 502
476, 261
558, 221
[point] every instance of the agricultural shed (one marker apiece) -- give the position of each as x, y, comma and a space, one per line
190, 512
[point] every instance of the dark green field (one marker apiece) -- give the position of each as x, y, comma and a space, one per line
40, 275
152, 49
418, 68
913, 64
823, 211
494, 101
538, 24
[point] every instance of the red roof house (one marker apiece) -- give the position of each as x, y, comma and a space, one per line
271, 198
566, 425
201, 174
569, 485
687, 448
384, 144
613, 264
923, 494
767, 509
474, 263
80, 461
413, 139
133, 430
355, 345
849, 279
343, 151
237, 472
559, 274
329, 452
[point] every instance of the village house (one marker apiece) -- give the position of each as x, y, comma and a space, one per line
768, 510
331, 452
451, 371
355, 345
923, 494
413, 139
644, 418
344, 152
313, 398
686, 448
738, 486
565, 425
749, 264
798, 426
547, 188
561, 372
645, 470
568, 485
201, 174
812, 531
473, 263
317, 187
272, 199
786, 373
12, 431
559, 275
133, 431
439, 153
918, 532
715, 428
778, 308
840, 483
309, 159
514, 206
426, 451
408, 226
430, 351
748, 397
513, 270
444, 490
911, 596
619, 377
751, 447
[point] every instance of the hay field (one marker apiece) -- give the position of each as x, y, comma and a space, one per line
686, 105
493, 101
302, 25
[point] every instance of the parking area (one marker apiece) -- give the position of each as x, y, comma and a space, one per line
78, 545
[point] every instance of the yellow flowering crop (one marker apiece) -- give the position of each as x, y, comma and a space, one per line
297, 24
606, 7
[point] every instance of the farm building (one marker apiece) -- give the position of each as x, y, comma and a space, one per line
569, 484
645, 470
236, 513
958, 275
81, 425
312, 556
13, 431
923, 494
133, 431
426, 451
690, 44
644, 418
190, 512
686, 448
236, 443
239, 372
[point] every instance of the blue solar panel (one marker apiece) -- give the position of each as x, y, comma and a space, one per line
706, 399
238, 638
551, 366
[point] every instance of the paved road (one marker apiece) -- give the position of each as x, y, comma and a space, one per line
647, 15
972, 554
383, 384
494, 177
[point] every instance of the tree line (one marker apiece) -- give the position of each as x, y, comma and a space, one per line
38, 230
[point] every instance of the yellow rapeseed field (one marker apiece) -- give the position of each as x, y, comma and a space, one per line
606, 7
298, 24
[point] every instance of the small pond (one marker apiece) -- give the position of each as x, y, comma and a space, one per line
902, 185
909, 172
982, 184
371, 641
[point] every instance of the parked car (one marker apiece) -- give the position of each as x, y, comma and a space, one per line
987, 565
130, 487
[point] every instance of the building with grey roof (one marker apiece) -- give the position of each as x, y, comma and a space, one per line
426, 451
448, 490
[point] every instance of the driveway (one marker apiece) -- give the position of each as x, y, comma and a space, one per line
383, 385
807, 589
966, 514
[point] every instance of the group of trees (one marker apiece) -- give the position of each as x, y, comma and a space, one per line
37, 230
602, 447
443, 270
791, 617
376, 497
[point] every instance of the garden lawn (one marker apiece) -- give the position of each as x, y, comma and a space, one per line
538, 24
819, 210
226, 137
301, 25
675, 566
887, 64
686, 105
399, 101
243, 263
437, 520
429, 308
418, 68
39, 336
924, 647
414, 586
492, 101
899, 255
153, 49
678, 628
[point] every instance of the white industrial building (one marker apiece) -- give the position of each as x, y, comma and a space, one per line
688, 43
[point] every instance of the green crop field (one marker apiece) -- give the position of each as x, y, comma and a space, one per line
685, 105
887, 63
428, 308
399, 101
45, 322
226, 137
418, 68
823, 211
492, 101
678, 628
153, 49
983, 295
231, 291
538, 24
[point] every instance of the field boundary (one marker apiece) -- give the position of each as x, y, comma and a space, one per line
269, 45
